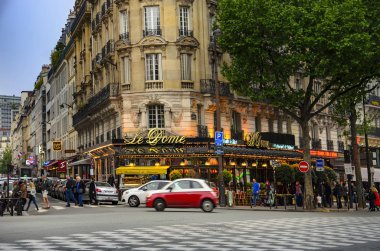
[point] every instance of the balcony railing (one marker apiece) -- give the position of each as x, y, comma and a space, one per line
374, 132
108, 48
185, 32
187, 84
111, 90
153, 85
84, 9
316, 144
202, 131
238, 135
330, 145
152, 32
208, 87
124, 36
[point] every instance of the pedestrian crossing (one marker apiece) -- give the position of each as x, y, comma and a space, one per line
307, 233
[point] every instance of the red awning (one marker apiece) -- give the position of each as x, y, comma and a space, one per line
59, 165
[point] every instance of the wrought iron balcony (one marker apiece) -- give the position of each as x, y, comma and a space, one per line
108, 48
202, 131
208, 87
95, 102
152, 32
330, 145
238, 135
124, 36
316, 144
85, 9
185, 32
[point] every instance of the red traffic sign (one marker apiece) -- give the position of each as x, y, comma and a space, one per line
303, 166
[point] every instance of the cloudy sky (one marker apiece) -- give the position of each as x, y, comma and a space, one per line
29, 31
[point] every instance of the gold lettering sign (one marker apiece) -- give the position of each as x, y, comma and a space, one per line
254, 139
57, 145
154, 137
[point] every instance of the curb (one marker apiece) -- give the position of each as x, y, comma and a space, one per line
319, 210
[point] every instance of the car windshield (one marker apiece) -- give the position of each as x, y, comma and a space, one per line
102, 184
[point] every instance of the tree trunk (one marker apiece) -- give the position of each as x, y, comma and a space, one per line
308, 186
355, 155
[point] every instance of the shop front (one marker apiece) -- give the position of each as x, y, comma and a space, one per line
56, 168
159, 154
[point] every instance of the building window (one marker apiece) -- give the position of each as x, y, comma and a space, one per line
126, 70
124, 25
186, 67
184, 21
270, 125
236, 122
153, 67
152, 21
156, 116
258, 124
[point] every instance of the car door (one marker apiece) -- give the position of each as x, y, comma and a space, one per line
196, 193
142, 191
178, 195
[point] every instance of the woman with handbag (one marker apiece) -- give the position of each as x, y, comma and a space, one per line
79, 187
32, 195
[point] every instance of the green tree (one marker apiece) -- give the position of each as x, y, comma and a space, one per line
285, 175
327, 43
6, 160
56, 53
227, 177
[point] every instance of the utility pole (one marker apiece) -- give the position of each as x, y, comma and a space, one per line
222, 197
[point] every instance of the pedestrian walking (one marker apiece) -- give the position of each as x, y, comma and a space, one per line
24, 193
44, 188
80, 189
328, 194
338, 192
70, 184
299, 194
255, 192
32, 196
371, 199
345, 193
92, 192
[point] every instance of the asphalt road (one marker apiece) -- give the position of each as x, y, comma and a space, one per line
109, 227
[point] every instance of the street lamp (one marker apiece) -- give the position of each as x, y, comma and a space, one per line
216, 33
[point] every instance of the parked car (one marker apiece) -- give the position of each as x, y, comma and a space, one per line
183, 193
136, 196
104, 193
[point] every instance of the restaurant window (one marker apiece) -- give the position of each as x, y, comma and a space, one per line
156, 116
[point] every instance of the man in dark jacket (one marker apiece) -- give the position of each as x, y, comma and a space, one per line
70, 184
338, 192
92, 192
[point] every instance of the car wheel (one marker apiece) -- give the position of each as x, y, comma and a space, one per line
133, 201
159, 205
207, 206
114, 202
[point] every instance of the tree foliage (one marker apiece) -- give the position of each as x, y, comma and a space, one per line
6, 160
331, 44
56, 53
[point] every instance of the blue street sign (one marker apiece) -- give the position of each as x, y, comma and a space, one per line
320, 164
219, 138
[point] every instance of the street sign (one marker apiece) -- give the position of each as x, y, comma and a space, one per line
320, 165
219, 150
303, 166
219, 138
348, 168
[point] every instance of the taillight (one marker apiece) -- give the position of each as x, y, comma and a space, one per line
98, 190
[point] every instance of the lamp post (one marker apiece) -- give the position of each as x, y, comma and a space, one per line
216, 34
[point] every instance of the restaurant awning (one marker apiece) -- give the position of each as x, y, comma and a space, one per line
142, 170
81, 162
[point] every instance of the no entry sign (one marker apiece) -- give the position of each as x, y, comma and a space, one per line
303, 166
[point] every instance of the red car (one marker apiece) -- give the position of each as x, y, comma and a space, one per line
184, 193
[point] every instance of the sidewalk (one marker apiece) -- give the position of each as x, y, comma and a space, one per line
291, 208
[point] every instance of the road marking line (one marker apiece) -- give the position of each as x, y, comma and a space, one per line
58, 207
